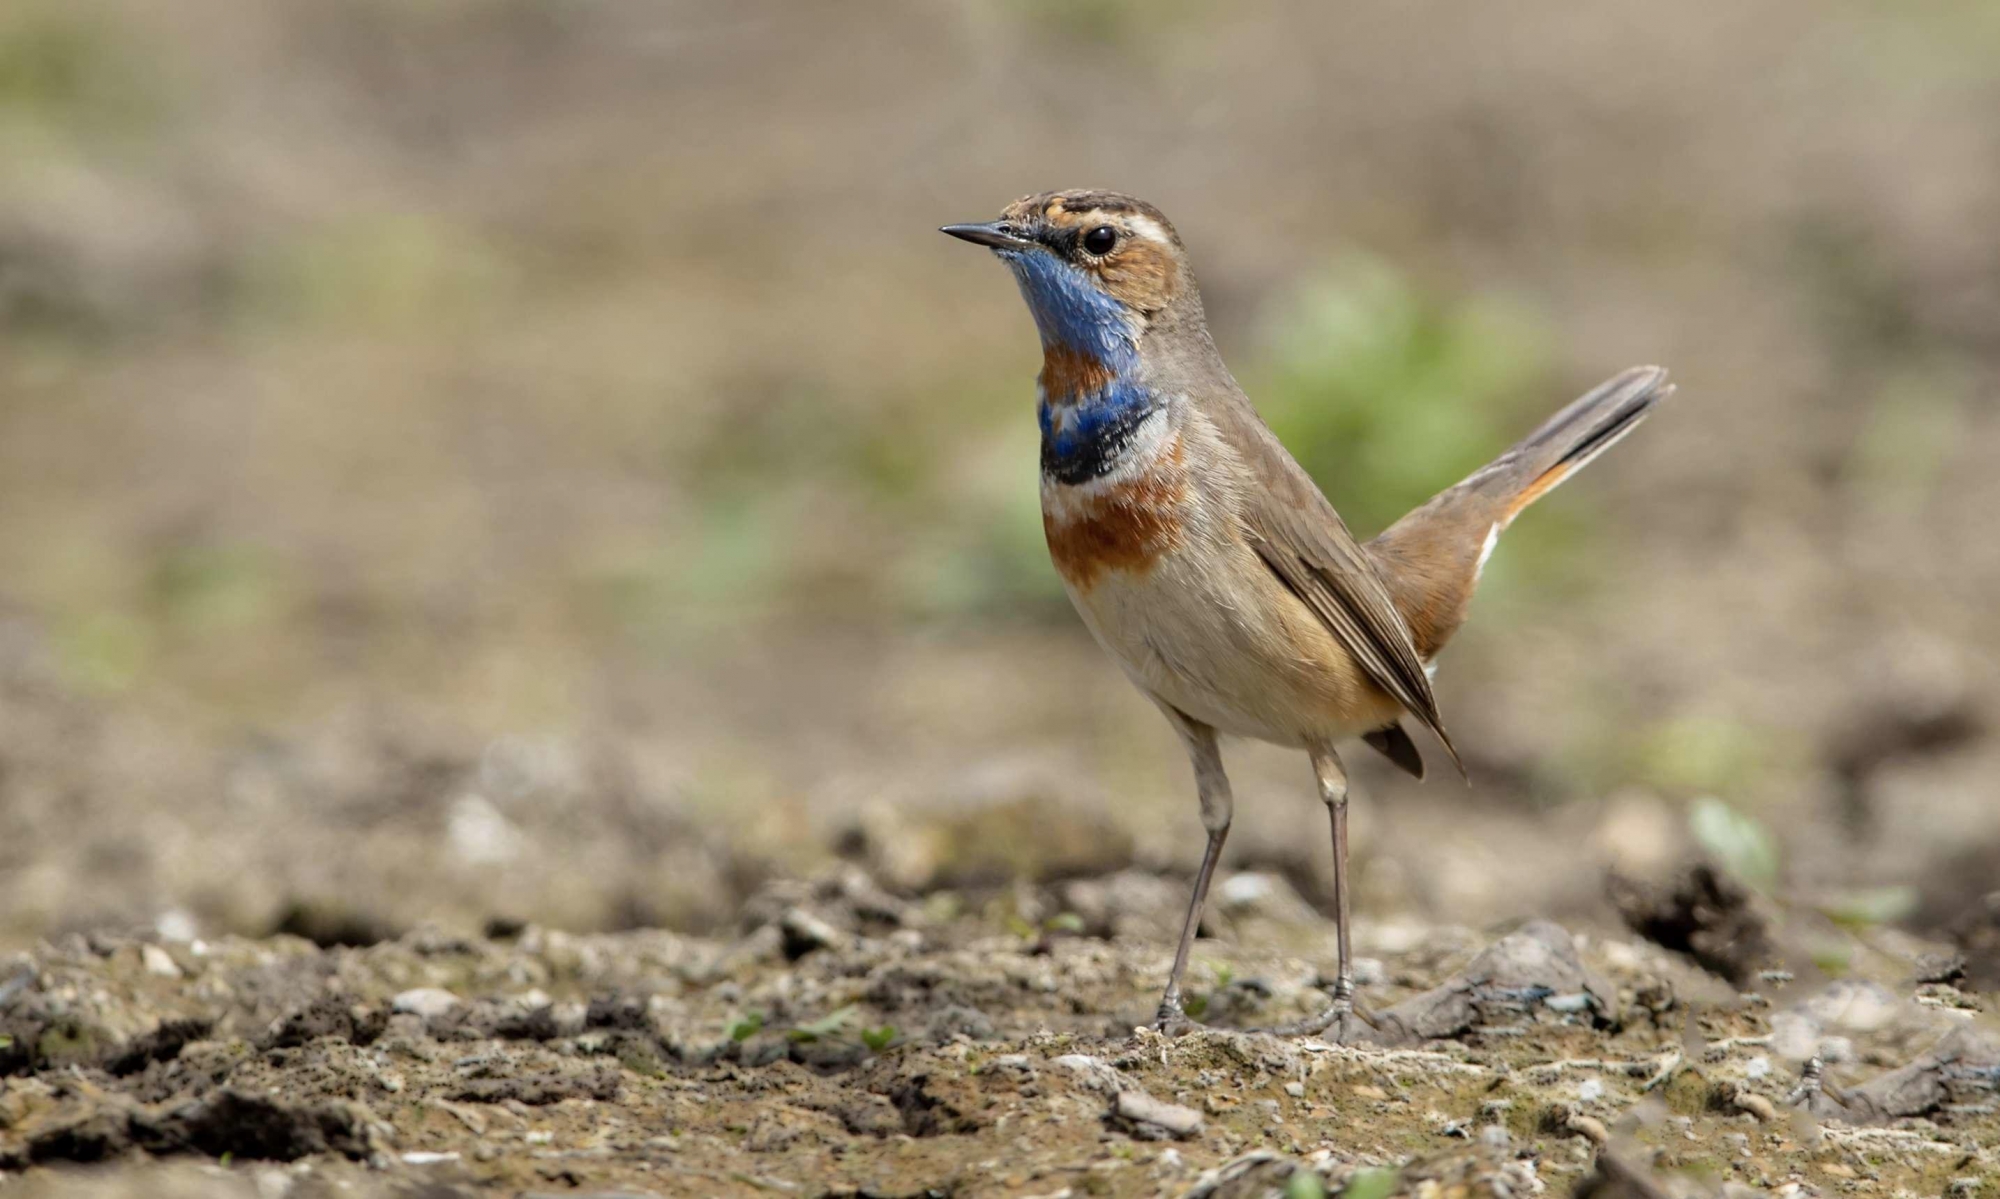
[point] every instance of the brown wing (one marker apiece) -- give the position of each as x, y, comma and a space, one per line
1306, 544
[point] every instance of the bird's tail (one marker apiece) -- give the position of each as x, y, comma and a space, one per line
1568, 440
1431, 558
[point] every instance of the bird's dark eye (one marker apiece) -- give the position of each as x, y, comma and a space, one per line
1100, 240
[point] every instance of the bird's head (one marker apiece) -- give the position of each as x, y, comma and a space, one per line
1097, 268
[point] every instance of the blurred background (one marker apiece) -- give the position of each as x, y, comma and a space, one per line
475, 461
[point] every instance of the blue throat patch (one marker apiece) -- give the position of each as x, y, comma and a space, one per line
1083, 437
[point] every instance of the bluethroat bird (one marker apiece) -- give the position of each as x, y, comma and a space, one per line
1203, 558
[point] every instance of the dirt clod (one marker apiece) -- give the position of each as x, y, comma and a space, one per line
1701, 912
1148, 1116
327, 1016
237, 1124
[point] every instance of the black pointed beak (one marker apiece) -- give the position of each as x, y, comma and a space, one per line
995, 234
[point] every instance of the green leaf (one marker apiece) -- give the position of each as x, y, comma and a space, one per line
878, 1039
6, 1042
1738, 843
1064, 922
747, 1027
831, 1024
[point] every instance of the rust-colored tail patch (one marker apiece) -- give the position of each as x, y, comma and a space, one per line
1543, 484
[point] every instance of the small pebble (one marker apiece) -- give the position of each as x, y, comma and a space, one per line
428, 1159
158, 961
1141, 1108
1296, 1090
1590, 1128
425, 1002
175, 924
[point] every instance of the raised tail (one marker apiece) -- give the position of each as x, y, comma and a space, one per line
1567, 441
1431, 558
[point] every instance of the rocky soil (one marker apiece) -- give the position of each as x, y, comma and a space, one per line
849, 1041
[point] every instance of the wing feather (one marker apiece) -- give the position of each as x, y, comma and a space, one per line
1305, 543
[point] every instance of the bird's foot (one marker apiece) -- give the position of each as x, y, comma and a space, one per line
1341, 1022
1170, 1020
1812, 1083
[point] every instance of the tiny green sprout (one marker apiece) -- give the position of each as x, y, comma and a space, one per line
1195, 1006
1064, 922
829, 1025
1304, 1184
943, 907
1737, 842
877, 1039
6, 1042
1224, 974
1021, 928
1832, 957
747, 1027
227, 1157
1371, 1183
1871, 906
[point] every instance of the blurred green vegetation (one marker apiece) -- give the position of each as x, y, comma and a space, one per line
391, 274
1107, 24
64, 73
1387, 394
1697, 753
1738, 843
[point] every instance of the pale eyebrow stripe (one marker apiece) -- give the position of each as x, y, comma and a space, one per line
1143, 224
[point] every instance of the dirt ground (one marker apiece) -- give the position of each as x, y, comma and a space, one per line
851, 1041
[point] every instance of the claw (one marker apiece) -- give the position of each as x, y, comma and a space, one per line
1169, 1019
1340, 1016
1812, 1080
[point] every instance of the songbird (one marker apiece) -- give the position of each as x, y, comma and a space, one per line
1202, 557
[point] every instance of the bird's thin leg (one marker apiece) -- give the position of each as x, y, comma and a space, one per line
1339, 1015
1217, 804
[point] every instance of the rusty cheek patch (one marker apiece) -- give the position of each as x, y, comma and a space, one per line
1142, 275
1127, 529
1070, 374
